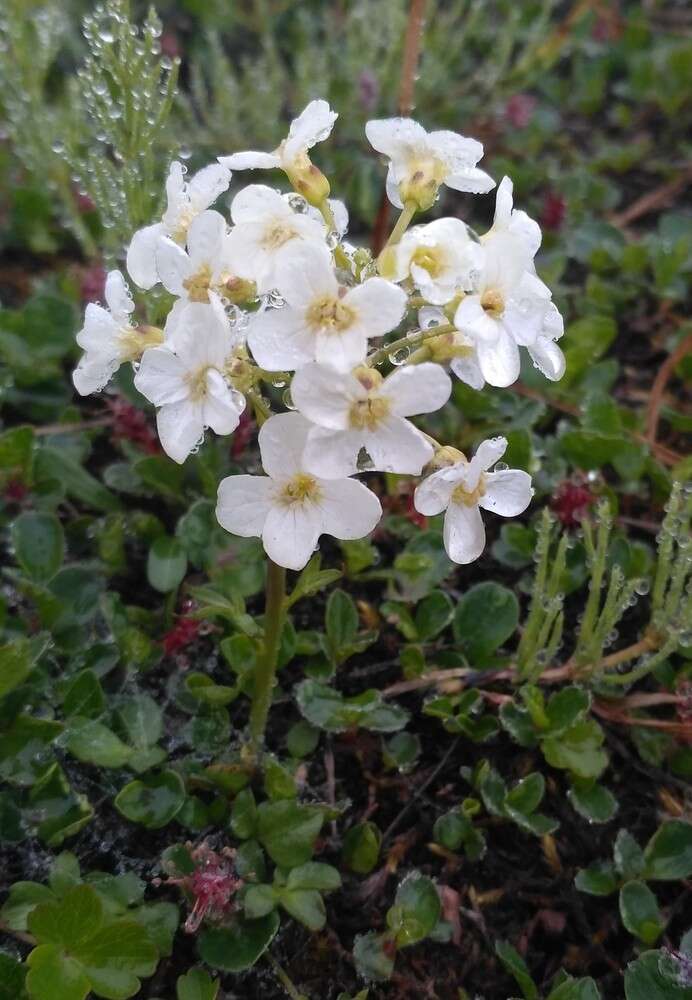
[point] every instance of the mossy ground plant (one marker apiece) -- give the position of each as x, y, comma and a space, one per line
383, 774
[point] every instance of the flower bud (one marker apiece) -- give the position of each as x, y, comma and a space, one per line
447, 455
308, 180
422, 183
239, 290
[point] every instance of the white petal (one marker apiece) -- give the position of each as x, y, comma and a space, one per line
548, 358
457, 151
325, 396
397, 446
255, 201
161, 377
464, 533
181, 428
471, 180
243, 504
490, 451
279, 340
433, 495
503, 204
417, 389
203, 335
290, 533
471, 318
250, 160
349, 509
379, 304
141, 255
175, 188
392, 186
118, 296
173, 265
528, 231
313, 125
507, 493
205, 236
468, 370
100, 330
341, 350
332, 454
206, 186
220, 411
392, 135
306, 274
282, 441
93, 373
499, 360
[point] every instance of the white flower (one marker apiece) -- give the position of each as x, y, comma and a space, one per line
421, 161
198, 274
108, 338
314, 124
511, 306
359, 409
452, 347
322, 321
439, 257
186, 199
186, 379
463, 488
266, 231
289, 508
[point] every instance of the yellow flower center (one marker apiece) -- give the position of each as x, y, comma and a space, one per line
185, 217
197, 285
492, 302
430, 259
330, 314
425, 174
133, 341
277, 234
197, 383
368, 414
469, 498
301, 487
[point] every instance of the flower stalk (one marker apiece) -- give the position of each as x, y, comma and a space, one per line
265, 672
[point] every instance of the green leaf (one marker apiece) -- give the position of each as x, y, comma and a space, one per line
93, 743
288, 831
341, 624
235, 948
302, 739
401, 751
416, 910
328, 709
628, 855
166, 564
55, 463
433, 614
668, 855
485, 617
566, 707
314, 875
312, 580
592, 801
39, 544
244, 814
12, 977
203, 689
578, 750
372, 960
640, 913
152, 801
279, 783
361, 847
526, 795
576, 989
16, 662
24, 748
84, 697
517, 967
645, 981
259, 900
197, 985
24, 897
304, 905
54, 976
599, 879
69, 923
116, 957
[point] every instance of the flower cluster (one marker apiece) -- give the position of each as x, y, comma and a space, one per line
276, 298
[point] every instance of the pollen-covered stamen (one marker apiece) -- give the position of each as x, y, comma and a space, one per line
276, 234
330, 313
299, 488
492, 302
469, 498
197, 383
430, 258
185, 217
198, 285
424, 176
368, 414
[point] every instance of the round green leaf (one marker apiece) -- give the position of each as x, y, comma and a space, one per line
93, 743
54, 976
640, 913
233, 949
166, 564
416, 910
668, 855
485, 617
288, 831
361, 847
152, 801
39, 544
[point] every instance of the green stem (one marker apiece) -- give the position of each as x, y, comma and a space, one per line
265, 671
402, 223
412, 340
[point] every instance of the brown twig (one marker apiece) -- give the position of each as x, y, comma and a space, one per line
19, 935
83, 425
659, 387
653, 200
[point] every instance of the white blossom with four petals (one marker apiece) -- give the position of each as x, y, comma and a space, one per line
321, 320
452, 347
107, 338
185, 200
199, 273
290, 508
420, 161
360, 409
463, 488
441, 259
186, 379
